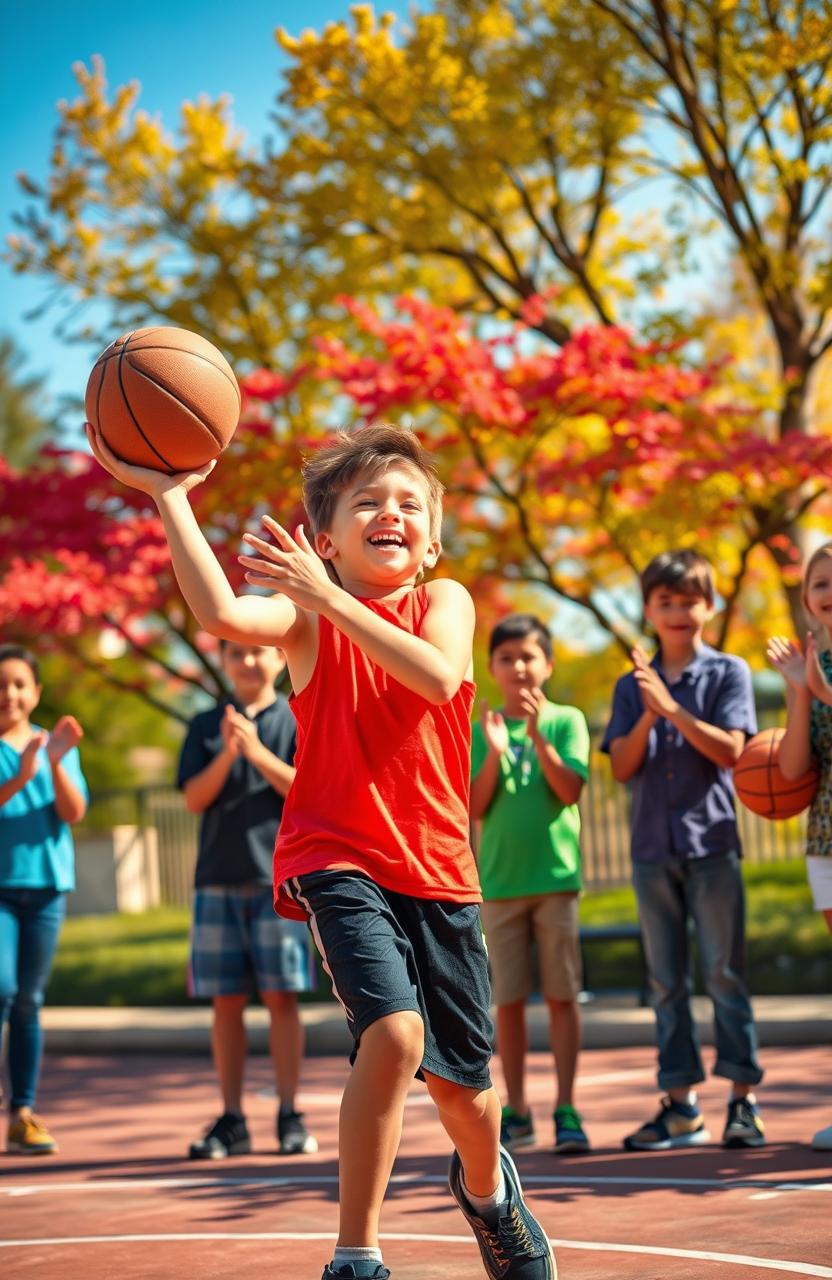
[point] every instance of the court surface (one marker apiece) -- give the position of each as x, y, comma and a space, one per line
119, 1201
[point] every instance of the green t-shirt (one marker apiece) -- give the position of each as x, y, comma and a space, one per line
530, 842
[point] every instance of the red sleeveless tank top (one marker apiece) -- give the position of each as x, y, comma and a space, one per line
382, 775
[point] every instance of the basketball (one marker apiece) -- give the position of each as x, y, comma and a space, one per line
760, 784
163, 398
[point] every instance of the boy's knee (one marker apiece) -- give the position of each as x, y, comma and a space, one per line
457, 1099
398, 1037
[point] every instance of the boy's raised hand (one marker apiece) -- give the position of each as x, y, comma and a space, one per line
815, 676
532, 701
494, 729
153, 483
66, 735
785, 655
292, 567
654, 692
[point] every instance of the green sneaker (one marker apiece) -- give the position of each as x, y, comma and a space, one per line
516, 1130
569, 1133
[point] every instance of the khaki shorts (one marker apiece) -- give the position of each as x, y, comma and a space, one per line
511, 926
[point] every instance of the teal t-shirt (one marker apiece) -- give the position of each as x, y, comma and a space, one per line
36, 849
530, 842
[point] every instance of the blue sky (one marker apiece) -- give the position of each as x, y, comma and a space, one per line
176, 49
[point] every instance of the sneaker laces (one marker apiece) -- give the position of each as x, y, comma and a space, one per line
510, 1238
225, 1129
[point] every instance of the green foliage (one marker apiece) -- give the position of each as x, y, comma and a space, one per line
126, 960
25, 422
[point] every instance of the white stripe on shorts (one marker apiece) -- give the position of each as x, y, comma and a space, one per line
319, 942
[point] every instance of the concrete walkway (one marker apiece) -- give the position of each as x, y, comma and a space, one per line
609, 1023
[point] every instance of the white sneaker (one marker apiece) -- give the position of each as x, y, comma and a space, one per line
822, 1140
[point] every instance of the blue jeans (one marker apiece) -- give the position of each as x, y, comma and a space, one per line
30, 921
710, 892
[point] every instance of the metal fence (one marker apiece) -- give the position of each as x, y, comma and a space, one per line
605, 832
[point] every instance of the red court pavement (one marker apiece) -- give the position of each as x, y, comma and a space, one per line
120, 1202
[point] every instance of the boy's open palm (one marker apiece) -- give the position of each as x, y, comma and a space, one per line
494, 729
66, 735
532, 701
785, 655
290, 565
153, 483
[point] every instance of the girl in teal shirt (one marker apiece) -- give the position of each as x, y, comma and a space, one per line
42, 791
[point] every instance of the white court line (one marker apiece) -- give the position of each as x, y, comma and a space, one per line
764, 1187
734, 1259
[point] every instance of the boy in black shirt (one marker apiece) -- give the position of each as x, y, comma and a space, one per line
235, 769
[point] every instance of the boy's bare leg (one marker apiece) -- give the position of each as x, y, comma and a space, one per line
285, 1042
370, 1127
510, 1024
228, 1045
565, 1040
471, 1119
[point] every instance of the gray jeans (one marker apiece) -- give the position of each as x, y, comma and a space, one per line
708, 891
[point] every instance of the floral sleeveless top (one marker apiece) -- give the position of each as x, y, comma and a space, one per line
819, 831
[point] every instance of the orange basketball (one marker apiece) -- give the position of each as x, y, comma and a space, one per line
164, 398
760, 784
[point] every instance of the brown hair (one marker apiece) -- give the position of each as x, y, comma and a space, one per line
686, 572
821, 553
328, 471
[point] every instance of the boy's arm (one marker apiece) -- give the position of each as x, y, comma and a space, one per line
627, 752
70, 798
566, 783
722, 747
433, 664
495, 741
202, 789
242, 734
204, 585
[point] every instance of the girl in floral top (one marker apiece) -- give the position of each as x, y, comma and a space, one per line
809, 731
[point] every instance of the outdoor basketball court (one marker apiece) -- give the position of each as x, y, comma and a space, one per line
120, 1202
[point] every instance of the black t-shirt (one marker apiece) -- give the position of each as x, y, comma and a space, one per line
237, 832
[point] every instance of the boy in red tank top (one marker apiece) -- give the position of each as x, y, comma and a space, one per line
373, 849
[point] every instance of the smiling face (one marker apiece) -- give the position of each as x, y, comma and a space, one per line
678, 618
19, 694
251, 669
380, 536
817, 590
516, 665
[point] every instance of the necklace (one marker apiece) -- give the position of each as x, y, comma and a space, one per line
519, 757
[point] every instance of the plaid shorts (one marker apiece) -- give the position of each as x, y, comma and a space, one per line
237, 942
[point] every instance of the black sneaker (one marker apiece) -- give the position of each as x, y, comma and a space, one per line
512, 1242
357, 1271
227, 1136
743, 1128
293, 1136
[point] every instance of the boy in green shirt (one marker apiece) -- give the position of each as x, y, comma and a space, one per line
529, 763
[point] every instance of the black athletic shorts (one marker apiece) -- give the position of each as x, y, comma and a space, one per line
386, 952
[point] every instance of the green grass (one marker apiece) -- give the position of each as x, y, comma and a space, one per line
143, 960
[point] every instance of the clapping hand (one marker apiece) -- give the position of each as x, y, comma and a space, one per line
292, 567
239, 733
654, 692
785, 655
494, 729
66, 735
815, 675
29, 756
532, 701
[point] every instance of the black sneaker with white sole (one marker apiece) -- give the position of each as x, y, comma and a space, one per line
227, 1136
743, 1128
293, 1136
512, 1242
356, 1271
